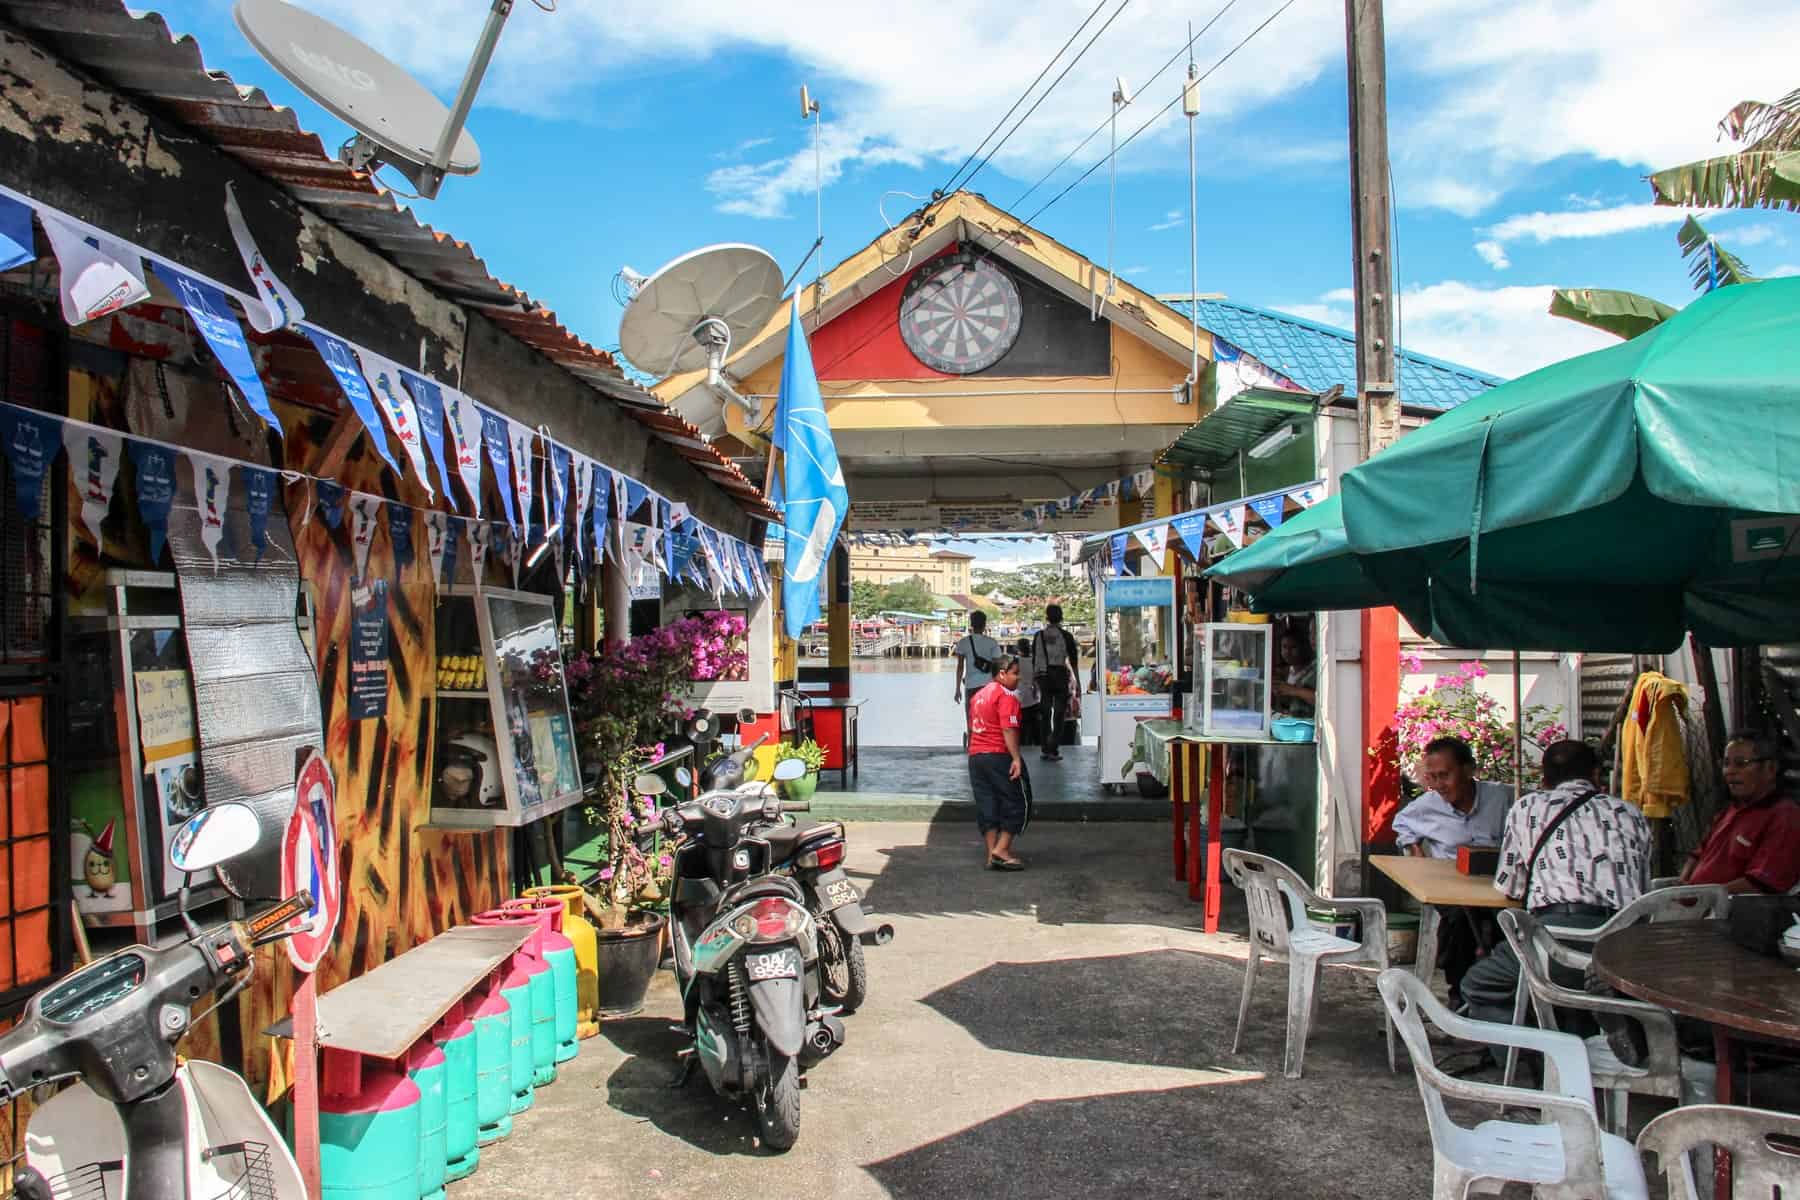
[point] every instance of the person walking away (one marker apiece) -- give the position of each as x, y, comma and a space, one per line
976, 655
996, 772
1029, 716
1459, 810
1055, 669
1573, 856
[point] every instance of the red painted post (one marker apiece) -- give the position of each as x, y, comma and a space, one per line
306, 1082
1178, 804
1215, 820
1381, 696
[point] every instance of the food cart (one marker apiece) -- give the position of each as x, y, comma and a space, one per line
1138, 667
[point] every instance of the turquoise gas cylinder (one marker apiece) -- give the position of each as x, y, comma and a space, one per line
559, 952
368, 1130
531, 992
455, 1035
492, 1016
427, 1066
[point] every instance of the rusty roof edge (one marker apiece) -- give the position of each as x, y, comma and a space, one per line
367, 211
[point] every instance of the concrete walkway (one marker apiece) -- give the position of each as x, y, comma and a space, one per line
1064, 1031
919, 783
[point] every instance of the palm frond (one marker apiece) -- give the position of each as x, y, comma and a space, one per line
1710, 265
1622, 314
1754, 179
1764, 126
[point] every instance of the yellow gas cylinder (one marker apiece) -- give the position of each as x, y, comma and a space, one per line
580, 931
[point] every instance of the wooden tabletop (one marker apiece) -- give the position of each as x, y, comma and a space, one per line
1695, 969
1437, 881
382, 1014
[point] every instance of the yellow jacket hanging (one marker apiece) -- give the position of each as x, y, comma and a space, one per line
1652, 750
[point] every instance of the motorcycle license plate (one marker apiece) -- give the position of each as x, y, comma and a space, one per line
782, 964
841, 892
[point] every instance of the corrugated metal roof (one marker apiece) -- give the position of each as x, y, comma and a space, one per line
1319, 357
140, 56
1240, 423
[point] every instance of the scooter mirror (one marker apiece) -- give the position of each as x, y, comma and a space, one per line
214, 835
649, 785
684, 777
746, 716
790, 768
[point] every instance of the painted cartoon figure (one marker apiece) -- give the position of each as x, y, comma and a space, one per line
97, 866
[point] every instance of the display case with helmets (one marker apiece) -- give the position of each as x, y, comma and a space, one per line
505, 747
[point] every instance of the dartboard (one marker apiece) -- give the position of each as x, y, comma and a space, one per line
960, 314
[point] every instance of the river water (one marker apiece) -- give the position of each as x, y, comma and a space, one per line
907, 702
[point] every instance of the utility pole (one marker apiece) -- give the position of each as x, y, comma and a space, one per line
1377, 391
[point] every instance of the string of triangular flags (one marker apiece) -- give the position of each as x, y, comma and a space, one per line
429, 419
1132, 486
31, 441
1230, 520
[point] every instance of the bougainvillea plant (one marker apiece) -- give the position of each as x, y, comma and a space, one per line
1453, 705
721, 645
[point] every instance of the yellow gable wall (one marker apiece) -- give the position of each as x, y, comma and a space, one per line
957, 403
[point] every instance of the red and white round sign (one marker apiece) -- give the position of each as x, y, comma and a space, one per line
309, 861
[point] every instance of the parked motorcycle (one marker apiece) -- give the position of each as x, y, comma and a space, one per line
745, 950
812, 853
185, 1130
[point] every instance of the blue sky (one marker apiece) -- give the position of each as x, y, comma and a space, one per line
628, 132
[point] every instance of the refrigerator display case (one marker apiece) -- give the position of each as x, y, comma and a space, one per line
505, 751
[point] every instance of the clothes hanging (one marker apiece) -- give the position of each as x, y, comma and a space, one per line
1651, 747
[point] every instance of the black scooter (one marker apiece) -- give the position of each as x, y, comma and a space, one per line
746, 952
812, 853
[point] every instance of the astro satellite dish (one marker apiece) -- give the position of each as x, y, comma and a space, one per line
689, 314
397, 120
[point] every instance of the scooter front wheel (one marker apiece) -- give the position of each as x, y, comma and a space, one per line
778, 1108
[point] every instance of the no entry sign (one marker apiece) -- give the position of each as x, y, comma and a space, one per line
309, 861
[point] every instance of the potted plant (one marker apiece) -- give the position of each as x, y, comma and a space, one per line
813, 755
622, 699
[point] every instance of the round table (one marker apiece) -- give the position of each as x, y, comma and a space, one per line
1693, 968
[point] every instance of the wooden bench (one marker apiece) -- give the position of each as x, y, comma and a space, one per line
384, 1013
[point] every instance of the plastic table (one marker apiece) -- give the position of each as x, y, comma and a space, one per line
1435, 883
1197, 761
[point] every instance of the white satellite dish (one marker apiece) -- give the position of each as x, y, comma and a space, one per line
689, 314
397, 119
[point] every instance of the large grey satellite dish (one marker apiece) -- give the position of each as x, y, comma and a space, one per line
398, 121
689, 314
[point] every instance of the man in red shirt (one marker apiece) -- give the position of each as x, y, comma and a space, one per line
1754, 844
996, 773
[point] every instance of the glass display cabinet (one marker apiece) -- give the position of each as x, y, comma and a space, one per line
1235, 675
505, 741
1137, 666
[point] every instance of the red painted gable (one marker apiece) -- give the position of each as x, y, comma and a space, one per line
865, 342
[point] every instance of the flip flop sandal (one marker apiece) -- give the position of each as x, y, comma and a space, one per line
1001, 864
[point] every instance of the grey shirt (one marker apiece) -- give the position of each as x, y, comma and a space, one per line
1433, 822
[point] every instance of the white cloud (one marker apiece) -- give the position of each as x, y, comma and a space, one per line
1493, 254
1542, 227
1506, 331
1490, 90
1136, 272
1171, 220
1785, 269
1751, 235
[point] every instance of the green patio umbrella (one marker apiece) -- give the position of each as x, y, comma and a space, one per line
1302, 565
1607, 502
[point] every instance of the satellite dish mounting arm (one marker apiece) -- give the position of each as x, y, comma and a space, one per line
715, 336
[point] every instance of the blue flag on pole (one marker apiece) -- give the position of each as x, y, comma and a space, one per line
812, 482
17, 247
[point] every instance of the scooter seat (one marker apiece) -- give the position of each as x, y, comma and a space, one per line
784, 840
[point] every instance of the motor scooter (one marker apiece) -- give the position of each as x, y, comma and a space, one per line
139, 1122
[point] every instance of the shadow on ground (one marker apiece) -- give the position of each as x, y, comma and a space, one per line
643, 1087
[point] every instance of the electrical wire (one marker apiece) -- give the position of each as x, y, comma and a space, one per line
1159, 113
1046, 92
1141, 89
950, 184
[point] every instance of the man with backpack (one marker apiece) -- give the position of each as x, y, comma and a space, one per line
977, 657
1055, 670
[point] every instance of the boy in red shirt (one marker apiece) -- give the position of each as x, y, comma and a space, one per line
996, 773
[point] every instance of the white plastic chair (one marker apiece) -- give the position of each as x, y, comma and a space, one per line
1664, 1070
1675, 902
1758, 1166
1565, 1157
1277, 898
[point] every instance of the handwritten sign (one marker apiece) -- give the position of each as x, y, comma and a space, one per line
165, 712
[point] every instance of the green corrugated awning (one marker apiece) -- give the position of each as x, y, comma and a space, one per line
1246, 419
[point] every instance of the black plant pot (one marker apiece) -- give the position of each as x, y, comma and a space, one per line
628, 960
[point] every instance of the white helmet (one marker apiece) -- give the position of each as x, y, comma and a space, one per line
477, 754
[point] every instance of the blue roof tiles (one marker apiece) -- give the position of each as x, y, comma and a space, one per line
1318, 356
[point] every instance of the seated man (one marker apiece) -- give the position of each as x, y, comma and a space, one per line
1459, 810
1754, 843
1573, 855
